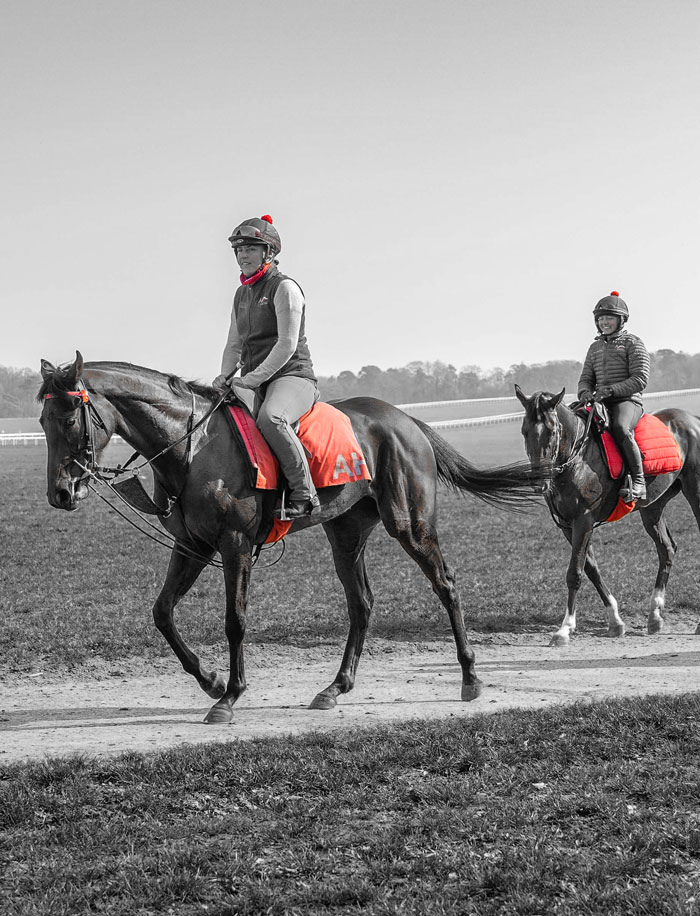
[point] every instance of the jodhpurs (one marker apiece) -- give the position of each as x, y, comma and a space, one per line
624, 416
286, 399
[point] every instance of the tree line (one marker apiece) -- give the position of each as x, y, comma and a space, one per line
417, 381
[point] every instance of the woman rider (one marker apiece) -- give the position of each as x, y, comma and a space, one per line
267, 342
616, 371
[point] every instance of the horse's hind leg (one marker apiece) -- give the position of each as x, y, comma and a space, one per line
420, 541
690, 484
182, 574
657, 529
348, 537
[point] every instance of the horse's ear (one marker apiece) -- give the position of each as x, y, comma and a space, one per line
555, 401
78, 365
47, 369
73, 371
521, 396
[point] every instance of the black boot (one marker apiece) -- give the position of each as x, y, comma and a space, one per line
299, 508
637, 488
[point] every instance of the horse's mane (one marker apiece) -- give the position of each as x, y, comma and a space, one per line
62, 381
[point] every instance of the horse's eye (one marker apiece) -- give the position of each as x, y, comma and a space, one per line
70, 421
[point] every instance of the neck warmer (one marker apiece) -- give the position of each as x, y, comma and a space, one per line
253, 279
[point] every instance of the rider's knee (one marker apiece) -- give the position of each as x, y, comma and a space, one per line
271, 420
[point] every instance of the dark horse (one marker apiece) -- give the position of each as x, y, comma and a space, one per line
216, 508
581, 494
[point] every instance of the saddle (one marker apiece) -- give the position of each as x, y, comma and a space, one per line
661, 453
333, 452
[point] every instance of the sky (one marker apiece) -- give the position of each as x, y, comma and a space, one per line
452, 181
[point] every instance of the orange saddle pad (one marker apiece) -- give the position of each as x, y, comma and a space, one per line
326, 433
661, 453
333, 452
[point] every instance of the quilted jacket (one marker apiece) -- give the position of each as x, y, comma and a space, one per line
619, 361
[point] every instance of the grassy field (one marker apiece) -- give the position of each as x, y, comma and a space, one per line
74, 586
578, 810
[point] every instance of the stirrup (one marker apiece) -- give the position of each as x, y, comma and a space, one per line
633, 491
298, 508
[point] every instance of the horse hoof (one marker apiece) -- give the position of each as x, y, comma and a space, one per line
656, 626
219, 715
217, 688
559, 640
472, 691
323, 700
617, 630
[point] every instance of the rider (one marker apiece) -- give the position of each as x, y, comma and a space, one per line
267, 342
616, 371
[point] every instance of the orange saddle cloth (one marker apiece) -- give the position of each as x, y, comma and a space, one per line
326, 433
661, 454
332, 449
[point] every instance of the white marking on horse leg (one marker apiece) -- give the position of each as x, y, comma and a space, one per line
616, 626
568, 625
657, 604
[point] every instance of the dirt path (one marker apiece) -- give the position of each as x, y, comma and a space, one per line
123, 706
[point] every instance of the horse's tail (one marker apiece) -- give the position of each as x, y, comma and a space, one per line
509, 487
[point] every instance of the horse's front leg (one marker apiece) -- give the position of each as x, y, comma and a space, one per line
616, 626
579, 537
182, 574
237, 566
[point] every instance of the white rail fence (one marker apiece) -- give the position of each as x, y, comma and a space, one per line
513, 417
38, 438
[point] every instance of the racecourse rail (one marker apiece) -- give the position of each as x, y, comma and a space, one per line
35, 438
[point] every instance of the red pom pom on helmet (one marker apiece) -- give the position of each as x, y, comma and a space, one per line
613, 293
268, 219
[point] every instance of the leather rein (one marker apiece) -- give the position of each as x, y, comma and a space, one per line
578, 446
91, 420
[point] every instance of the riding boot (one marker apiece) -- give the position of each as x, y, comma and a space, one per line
636, 488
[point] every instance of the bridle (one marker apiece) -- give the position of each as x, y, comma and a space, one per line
578, 446
91, 420
580, 443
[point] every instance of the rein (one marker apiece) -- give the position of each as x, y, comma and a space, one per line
578, 446
107, 475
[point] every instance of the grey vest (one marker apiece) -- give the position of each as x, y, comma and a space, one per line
256, 321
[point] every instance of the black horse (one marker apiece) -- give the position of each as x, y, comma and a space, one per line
581, 495
215, 508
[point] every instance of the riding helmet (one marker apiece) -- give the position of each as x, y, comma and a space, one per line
257, 231
611, 305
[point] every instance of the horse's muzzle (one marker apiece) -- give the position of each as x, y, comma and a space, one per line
67, 494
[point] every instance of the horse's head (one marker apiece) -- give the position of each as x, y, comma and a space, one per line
75, 433
541, 427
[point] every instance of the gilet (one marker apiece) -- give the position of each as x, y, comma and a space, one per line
254, 308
